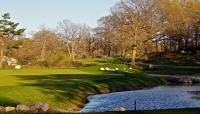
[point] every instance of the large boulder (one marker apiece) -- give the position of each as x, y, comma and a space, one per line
22, 108
45, 107
39, 107
2, 109
9, 109
35, 107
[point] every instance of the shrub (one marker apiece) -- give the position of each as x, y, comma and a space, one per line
76, 64
42, 63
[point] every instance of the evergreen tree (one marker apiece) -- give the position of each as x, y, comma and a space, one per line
8, 31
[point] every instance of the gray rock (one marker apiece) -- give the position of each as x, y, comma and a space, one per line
35, 107
9, 109
45, 107
23, 108
39, 107
37, 104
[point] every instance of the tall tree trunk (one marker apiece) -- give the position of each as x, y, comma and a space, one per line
186, 43
196, 38
134, 51
109, 51
165, 50
170, 44
73, 52
2, 54
179, 45
43, 51
73, 55
69, 50
157, 47
109, 48
175, 46
161, 44
124, 53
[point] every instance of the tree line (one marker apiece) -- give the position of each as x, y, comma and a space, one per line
133, 29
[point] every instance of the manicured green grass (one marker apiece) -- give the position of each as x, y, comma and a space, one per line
68, 88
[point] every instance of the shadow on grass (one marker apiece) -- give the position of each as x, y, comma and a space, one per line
70, 88
7, 102
73, 88
90, 65
113, 61
173, 71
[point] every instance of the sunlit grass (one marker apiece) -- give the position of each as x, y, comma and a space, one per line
68, 88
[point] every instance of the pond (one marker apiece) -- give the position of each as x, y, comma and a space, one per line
162, 97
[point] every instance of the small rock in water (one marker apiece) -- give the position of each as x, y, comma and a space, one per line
120, 109
9, 109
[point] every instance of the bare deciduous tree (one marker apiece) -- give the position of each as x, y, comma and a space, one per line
73, 35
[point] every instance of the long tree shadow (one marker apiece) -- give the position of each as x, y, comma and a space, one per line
7, 102
73, 88
66, 87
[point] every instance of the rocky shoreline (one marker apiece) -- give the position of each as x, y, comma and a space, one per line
33, 108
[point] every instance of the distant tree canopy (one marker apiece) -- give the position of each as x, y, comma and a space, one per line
161, 25
133, 29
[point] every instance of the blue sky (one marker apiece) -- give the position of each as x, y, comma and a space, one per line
33, 13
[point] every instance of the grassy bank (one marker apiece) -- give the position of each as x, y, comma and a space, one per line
68, 88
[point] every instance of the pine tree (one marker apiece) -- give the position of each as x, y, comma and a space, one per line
8, 31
